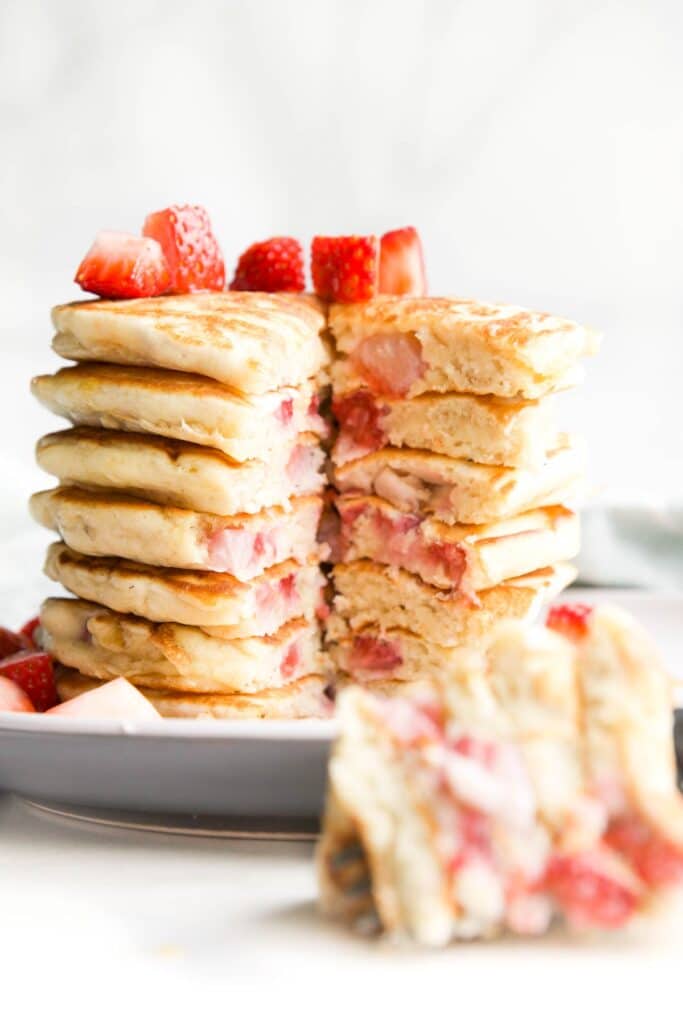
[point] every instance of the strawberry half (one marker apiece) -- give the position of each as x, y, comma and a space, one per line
32, 671
570, 619
276, 265
193, 255
11, 642
401, 263
28, 631
121, 266
344, 269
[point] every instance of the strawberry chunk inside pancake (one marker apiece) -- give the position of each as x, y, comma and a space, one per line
374, 655
653, 858
389, 363
592, 889
398, 539
291, 660
360, 430
571, 620
241, 553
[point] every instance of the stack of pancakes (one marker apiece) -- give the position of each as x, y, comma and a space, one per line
452, 478
190, 490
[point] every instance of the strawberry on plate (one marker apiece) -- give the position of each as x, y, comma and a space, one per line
121, 266
193, 255
344, 269
28, 631
32, 671
118, 700
12, 697
276, 265
11, 642
401, 263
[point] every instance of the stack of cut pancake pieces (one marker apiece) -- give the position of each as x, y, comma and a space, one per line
452, 478
190, 490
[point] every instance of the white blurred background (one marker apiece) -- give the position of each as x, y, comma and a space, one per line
536, 144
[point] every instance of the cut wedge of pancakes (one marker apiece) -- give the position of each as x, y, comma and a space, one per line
219, 603
403, 347
469, 558
304, 698
461, 491
182, 406
255, 342
168, 656
483, 428
112, 524
178, 473
374, 596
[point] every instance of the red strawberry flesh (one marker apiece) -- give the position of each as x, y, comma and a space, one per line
401, 263
389, 363
193, 255
28, 631
121, 266
657, 861
571, 620
11, 642
32, 671
344, 269
276, 265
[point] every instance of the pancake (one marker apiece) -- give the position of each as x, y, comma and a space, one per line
219, 603
467, 558
182, 406
495, 431
181, 474
168, 656
304, 698
109, 523
460, 491
370, 596
255, 342
402, 347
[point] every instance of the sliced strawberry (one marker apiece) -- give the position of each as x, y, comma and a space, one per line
32, 671
344, 269
117, 699
401, 263
359, 418
375, 654
276, 265
655, 860
28, 630
121, 266
11, 642
570, 619
193, 255
12, 697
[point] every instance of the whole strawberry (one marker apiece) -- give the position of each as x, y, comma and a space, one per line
345, 268
276, 265
32, 671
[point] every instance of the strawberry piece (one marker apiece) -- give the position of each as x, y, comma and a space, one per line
32, 671
117, 699
655, 860
28, 631
389, 363
591, 889
375, 654
359, 418
12, 697
121, 266
344, 269
11, 642
193, 255
291, 660
570, 619
401, 263
276, 265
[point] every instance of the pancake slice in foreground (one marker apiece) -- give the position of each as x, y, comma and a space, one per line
495, 431
460, 491
304, 698
256, 342
168, 656
402, 347
468, 558
221, 604
182, 406
370, 596
179, 473
464, 808
111, 524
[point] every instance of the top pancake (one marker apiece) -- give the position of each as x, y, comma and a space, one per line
454, 344
253, 341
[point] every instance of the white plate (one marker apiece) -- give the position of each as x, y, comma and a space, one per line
221, 772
